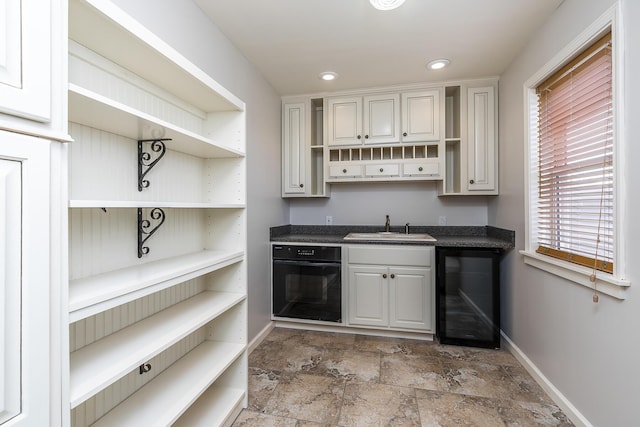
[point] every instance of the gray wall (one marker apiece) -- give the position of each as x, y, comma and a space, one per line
589, 352
367, 204
185, 27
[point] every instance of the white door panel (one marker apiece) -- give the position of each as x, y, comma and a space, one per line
10, 290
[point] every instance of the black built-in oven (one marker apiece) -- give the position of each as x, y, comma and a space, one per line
307, 283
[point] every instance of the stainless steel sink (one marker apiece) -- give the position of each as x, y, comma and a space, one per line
385, 236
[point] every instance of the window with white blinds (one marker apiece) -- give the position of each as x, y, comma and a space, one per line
575, 200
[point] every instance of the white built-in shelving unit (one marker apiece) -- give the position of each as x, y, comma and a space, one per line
157, 289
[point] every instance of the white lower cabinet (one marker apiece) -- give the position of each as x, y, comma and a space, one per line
391, 287
368, 296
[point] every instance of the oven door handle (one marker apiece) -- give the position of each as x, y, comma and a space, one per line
307, 263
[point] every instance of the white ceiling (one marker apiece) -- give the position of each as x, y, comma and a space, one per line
292, 41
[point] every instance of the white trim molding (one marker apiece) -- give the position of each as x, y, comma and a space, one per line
255, 342
610, 284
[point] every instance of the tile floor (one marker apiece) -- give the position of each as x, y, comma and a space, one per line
305, 378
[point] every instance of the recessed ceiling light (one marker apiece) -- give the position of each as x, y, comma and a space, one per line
437, 64
386, 4
328, 75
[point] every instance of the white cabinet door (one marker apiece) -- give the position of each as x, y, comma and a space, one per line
381, 119
25, 59
421, 116
481, 139
294, 146
26, 282
345, 121
10, 290
368, 296
411, 294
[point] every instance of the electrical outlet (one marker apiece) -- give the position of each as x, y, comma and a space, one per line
442, 220
328, 220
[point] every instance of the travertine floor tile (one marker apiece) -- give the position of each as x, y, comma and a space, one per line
254, 419
524, 386
350, 365
307, 397
378, 405
319, 379
262, 382
439, 409
286, 356
329, 340
384, 344
412, 371
477, 379
530, 414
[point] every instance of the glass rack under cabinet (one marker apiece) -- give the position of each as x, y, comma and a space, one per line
383, 153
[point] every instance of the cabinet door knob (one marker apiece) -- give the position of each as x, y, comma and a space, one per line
344, 171
359, 136
366, 137
381, 170
471, 181
301, 185
404, 134
384, 276
393, 276
420, 169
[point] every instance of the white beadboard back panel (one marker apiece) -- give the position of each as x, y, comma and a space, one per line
177, 177
228, 128
225, 229
229, 279
225, 180
91, 329
93, 72
102, 241
88, 412
230, 326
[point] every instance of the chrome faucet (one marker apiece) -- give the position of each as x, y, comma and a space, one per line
387, 225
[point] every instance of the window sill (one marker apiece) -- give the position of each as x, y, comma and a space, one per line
606, 283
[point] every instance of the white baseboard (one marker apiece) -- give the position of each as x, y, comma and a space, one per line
560, 399
255, 342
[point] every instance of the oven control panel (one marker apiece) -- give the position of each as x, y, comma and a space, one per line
312, 253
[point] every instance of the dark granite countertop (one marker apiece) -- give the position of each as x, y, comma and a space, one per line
446, 236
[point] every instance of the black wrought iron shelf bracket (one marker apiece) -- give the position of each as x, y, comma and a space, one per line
145, 164
145, 231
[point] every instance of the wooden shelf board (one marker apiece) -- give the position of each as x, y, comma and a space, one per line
94, 294
99, 112
217, 406
76, 203
165, 398
100, 364
103, 27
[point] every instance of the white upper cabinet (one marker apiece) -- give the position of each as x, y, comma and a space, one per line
345, 121
381, 119
481, 139
471, 141
372, 119
303, 148
421, 116
30, 73
294, 146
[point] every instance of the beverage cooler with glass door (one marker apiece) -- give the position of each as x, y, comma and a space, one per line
468, 297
